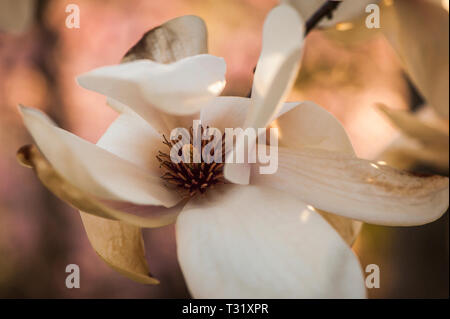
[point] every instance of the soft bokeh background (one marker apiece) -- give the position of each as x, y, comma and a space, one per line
39, 59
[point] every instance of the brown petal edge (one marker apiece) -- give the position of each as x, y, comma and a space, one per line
30, 156
118, 237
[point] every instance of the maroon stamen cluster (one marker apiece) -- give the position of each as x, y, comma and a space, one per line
192, 178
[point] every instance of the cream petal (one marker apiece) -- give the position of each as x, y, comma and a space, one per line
408, 154
423, 47
252, 242
424, 142
356, 188
348, 10
309, 125
120, 245
274, 77
277, 66
225, 112
172, 41
93, 169
151, 89
131, 138
300, 124
413, 127
231, 112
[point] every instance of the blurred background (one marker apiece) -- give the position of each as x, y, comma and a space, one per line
39, 60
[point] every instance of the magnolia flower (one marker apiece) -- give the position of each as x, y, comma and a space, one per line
254, 235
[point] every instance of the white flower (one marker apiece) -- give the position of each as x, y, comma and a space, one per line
264, 239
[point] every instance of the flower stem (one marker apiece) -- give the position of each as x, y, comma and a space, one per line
326, 10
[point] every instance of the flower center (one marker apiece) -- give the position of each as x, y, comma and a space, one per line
189, 177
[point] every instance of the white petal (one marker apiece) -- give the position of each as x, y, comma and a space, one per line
251, 242
358, 189
133, 139
172, 41
277, 66
94, 169
231, 112
179, 88
309, 125
225, 112
275, 73
347, 10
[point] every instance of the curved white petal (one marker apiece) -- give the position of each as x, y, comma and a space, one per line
225, 112
277, 66
275, 73
252, 242
301, 124
309, 125
172, 41
347, 10
132, 138
424, 142
94, 169
180, 88
231, 112
358, 189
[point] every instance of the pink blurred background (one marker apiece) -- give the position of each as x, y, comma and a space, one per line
40, 235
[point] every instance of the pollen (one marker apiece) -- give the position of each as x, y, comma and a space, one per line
188, 177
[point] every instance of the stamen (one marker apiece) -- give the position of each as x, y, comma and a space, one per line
192, 178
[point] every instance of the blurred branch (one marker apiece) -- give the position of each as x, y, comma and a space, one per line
44, 58
326, 10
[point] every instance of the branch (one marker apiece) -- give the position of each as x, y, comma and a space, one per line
326, 10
